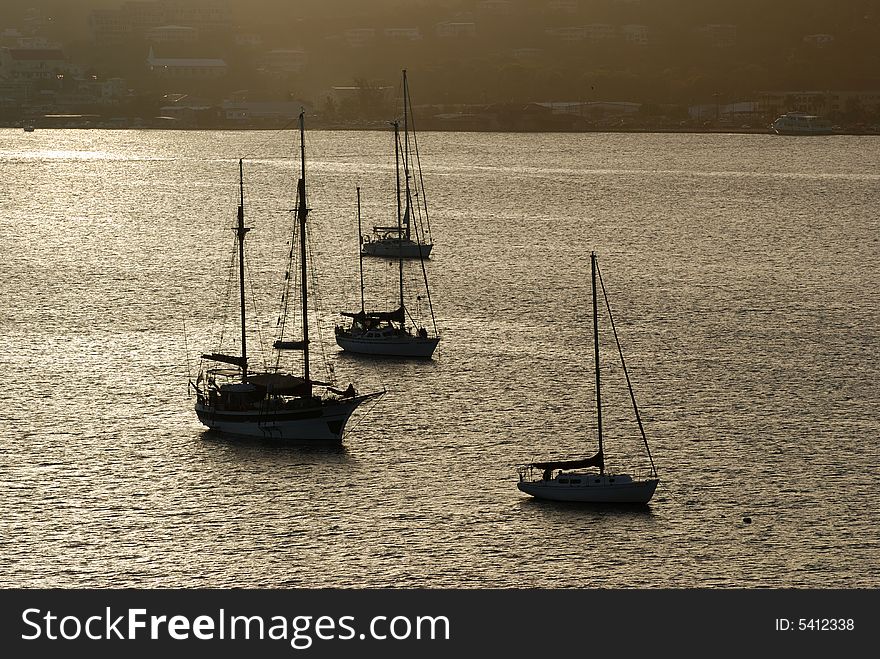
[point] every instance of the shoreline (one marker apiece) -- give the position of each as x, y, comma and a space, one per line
91, 121
873, 131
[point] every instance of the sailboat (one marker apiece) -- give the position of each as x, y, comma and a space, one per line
273, 404
397, 241
387, 333
561, 480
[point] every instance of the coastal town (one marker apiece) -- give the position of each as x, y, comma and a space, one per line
507, 65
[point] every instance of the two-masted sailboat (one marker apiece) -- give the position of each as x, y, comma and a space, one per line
409, 239
556, 480
394, 333
273, 404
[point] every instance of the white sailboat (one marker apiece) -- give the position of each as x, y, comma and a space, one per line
273, 404
411, 237
563, 480
392, 333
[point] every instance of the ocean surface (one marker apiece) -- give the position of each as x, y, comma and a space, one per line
744, 276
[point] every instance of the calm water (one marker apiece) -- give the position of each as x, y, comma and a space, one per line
743, 271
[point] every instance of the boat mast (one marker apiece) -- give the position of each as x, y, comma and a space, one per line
303, 212
399, 228
596, 356
407, 217
361, 254
241, 231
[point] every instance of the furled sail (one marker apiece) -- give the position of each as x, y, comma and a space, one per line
594, 461
227, 359
398, 315
282, 384
290, 345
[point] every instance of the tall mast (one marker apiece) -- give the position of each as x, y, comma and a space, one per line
596, 355
361, 253
407, 217
241, 231
303, 212
399, 229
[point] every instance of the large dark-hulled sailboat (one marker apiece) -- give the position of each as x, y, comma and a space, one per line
274, 403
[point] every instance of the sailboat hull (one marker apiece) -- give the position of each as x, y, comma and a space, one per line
388, 346
324, 421
394, 248
588, 491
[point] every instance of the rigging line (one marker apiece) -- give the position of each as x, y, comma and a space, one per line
222, 313
290, 281
428, 291
361, 417
625, 371
285, 291
389, 286
419, 169
260, 337
291, 122
186, 355
316, 303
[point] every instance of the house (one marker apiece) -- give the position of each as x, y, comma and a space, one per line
526, 54
186, 68
172, 34
819, 40
719, 35
450, 30
594, 33
567, 34
347, 94
600, 32
135, 17
12, 38
634, 34
496, 7
248, 40
246, 112
402, 33
282, 61
563, 6
33, 64
823, 103
359, 37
